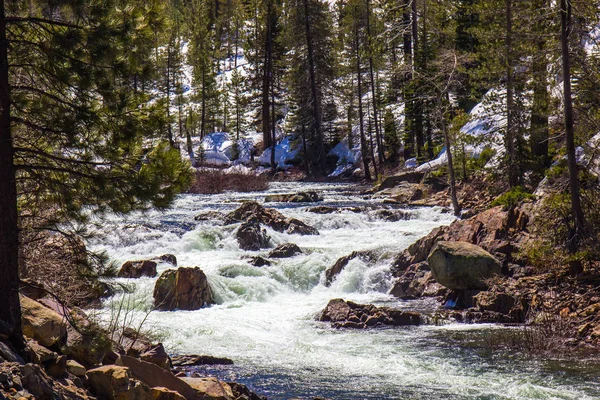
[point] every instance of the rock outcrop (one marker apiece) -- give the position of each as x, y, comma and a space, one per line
182, 289
42, 324
347, 314
285, 250
252, 211
462, 266
137, 269
252, 237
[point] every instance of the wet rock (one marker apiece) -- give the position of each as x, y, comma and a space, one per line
252, 211
241, 392
392, 181
285, 250
194, 360
137, 269
417, 281
167, 258
392, 215
259, 261
347, 314
42, 324
182, 289
158, 356
323, 210
462, 266
341, 263
212, 216
403, 193
301, 197
251, 236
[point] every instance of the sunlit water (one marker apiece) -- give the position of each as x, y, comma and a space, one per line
265, 317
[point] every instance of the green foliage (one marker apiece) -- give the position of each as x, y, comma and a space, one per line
513, 197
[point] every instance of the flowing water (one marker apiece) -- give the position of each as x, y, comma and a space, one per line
265, 317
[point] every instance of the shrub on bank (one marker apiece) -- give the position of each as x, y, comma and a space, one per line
213, 181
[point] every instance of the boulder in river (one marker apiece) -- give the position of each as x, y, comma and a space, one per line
259, 261
167, 258
347, 314
462, 265
342, 262
302, 197
195, 360
285, 250
137, 269
182, 289
251, 211
251, 236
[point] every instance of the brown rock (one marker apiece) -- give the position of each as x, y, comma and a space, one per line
194, 360
259, 261
347, 314
167, 258
76, 369
109, 381
252, 211
158, 356
161, 393
183, 289
251, 236
137, 269
42, 324
210, 388
285, 250
155, 376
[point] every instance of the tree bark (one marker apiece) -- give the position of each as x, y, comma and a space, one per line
267, 75
513, 178
451, 175
363, 142
318, 125
10, 308
378, 135
577, 211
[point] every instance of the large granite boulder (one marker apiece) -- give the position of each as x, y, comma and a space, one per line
462, 265
182, 289
137, 269
42, 324
251, 211
347, 314
252, 237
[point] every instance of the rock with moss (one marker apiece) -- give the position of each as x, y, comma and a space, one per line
462, 265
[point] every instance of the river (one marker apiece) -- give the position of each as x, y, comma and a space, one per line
265, 317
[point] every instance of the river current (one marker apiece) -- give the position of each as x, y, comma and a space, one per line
264, 319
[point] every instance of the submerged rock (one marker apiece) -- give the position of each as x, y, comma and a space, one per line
251, 236
167, 258
347, 314
251, 211
137, 269
462, 265
182, 289
259, 261
285, 250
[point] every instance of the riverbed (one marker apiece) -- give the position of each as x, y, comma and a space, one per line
264, 319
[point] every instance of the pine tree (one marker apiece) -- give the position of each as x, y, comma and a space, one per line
72, 123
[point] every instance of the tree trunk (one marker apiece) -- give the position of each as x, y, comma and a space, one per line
409, 138
10, 308
577, 211
513, 178
539, 111
363, 142
318, 126
169, 127
378, 135
267, 75
453, 195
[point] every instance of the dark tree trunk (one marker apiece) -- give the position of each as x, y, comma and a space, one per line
10, 308
409, 137
577, 211
451, 175
539, 114
510, 137
363, 142
267, 76
169, 127
378, 135
318, 126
